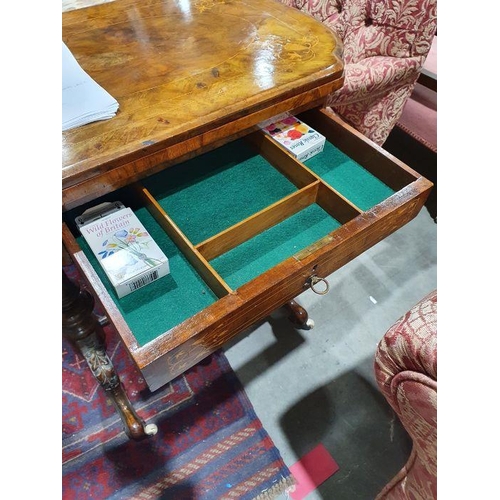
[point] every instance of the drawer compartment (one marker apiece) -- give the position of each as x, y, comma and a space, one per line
264, 251
210, 193
245, 227
182, 286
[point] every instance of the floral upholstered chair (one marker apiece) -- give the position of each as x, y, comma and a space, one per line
385, 43
406, 372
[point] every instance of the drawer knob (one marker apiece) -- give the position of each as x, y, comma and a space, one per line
319, 285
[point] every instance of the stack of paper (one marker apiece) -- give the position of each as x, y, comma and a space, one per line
83, 99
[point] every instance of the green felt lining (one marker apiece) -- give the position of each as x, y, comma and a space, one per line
266, 250
348, 177
212, 192
166, 302
216, 190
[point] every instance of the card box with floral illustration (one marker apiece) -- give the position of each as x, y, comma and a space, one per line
302, 141
128, 254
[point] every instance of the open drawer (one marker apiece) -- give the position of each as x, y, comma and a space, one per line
246, 229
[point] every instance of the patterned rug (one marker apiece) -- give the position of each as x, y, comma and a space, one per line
210, 444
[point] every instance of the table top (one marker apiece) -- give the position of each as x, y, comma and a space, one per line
188, 75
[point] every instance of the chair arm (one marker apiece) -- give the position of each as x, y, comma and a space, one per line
410, 344
374, 76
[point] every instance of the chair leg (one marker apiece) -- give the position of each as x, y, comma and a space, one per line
298, 315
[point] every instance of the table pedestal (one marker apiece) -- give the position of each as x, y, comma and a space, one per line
82, 327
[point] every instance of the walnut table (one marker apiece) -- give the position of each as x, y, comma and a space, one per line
246, 226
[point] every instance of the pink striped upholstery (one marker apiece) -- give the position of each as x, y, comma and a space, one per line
406, 372
385, 46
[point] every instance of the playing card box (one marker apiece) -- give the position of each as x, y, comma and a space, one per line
302, 141
127, 253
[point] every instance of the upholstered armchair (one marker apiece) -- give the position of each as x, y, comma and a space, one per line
406, 372
385, 43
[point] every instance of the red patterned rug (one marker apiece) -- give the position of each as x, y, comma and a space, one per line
210, 444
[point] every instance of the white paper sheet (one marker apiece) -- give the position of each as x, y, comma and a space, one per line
83, 99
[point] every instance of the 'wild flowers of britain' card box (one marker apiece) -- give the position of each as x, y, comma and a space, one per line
302, 141
126, 251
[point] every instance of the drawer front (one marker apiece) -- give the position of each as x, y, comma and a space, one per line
257, 253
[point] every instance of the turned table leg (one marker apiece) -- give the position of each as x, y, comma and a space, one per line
298, 315
84, 329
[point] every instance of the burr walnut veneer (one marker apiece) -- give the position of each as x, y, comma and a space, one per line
246, 226
188, 76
